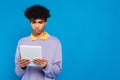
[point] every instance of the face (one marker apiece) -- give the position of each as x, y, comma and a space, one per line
37, 25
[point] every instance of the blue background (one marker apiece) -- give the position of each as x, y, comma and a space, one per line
89, 31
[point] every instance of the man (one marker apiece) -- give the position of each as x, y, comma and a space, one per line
51, 62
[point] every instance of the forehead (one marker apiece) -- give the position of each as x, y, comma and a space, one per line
36, 20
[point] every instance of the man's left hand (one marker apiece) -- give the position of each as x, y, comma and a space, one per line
41, 62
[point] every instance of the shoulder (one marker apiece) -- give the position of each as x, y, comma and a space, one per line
24, 39
54, 40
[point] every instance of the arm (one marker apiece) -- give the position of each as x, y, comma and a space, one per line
18, 69
51, 70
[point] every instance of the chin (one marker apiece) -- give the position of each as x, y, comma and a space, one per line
38, 33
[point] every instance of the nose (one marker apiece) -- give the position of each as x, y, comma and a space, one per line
37, 25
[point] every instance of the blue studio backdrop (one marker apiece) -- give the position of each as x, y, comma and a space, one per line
89, 31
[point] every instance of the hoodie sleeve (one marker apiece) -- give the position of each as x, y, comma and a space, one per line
53, 69
18, 70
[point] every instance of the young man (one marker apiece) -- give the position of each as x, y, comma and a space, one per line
51, 62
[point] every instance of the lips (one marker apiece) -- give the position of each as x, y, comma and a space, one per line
37, 31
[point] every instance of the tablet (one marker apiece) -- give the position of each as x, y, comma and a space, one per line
31, 52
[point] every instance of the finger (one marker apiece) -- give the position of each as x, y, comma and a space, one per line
26, 59
21, 65
43, 65
24, 62
44, 60
20, 62
37, 60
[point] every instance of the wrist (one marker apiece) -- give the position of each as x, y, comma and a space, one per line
23, 68
44, 67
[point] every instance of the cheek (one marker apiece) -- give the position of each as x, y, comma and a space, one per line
41, 26
33, 26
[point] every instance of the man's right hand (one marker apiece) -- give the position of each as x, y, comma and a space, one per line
23, 62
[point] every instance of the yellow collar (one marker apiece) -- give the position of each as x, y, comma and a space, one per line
44, 37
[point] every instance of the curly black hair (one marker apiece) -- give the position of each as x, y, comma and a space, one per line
37, 12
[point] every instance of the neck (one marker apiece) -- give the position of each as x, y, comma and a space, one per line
38, 35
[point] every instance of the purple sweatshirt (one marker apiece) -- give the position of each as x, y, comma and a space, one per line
51, 50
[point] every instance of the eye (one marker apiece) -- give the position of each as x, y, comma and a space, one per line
33, 22
41, 22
